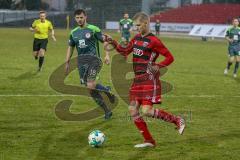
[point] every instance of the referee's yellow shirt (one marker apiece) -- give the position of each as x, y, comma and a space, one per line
43, 28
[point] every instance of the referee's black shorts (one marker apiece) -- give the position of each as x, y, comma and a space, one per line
40, 44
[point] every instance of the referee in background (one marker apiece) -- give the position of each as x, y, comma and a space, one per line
41, 27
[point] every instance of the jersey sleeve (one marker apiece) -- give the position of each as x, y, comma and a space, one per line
99, 36
120, 23
71, 42
50, 26
125, 50
159, 48
228, 33
97, 33
34, 24
131, 23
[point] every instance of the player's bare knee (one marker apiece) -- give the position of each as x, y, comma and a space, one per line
132, 110
133, 103
35, 54
238, 58
146, 110
231, 59
41, 52
91, 85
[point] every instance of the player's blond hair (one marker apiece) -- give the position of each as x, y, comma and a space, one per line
141, 16
42, 12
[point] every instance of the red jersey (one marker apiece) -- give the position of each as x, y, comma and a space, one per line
146, 50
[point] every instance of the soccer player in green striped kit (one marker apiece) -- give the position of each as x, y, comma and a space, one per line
233, 37
125, 27
85, 39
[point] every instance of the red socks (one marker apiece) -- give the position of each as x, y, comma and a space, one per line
168, 117
142, 127
159, 114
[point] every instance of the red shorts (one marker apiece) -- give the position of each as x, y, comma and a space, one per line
146, 90
144, 102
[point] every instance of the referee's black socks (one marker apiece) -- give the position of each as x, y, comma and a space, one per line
41, 60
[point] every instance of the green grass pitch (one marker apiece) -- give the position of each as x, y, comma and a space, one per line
30, 130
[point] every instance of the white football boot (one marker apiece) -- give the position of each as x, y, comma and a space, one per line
225, 71
181, 125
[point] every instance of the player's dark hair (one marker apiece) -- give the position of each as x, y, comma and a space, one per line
80, 11
235, 19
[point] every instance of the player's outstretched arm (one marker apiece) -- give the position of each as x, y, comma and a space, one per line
68, 57
107, 54
123, 50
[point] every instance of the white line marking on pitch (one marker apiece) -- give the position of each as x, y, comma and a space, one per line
69, 95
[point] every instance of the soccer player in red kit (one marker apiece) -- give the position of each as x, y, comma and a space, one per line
146, 88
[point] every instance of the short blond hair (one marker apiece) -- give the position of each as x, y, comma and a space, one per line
42, 12
141, 16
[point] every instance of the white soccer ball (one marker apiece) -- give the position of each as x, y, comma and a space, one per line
96, 138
